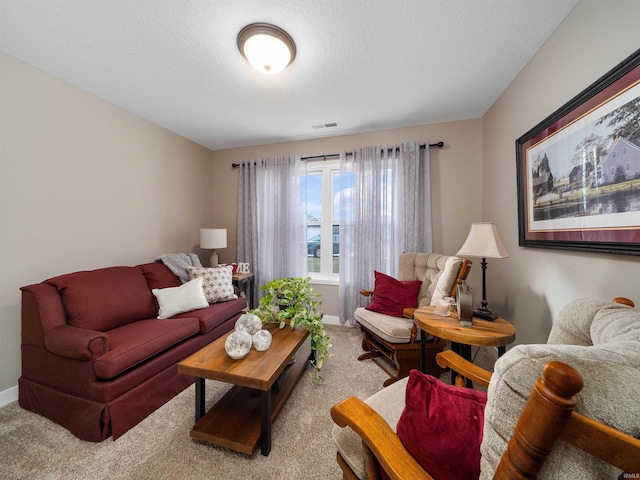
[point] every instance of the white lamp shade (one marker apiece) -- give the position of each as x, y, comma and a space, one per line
213, 238
483, 241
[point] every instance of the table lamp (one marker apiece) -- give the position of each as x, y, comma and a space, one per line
483, 241
213, 238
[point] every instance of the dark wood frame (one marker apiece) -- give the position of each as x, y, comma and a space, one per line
620, 239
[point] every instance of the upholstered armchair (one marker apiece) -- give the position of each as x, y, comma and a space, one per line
593, 349
387, 323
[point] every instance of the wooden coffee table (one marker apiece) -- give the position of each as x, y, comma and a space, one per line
482, 333
243, 417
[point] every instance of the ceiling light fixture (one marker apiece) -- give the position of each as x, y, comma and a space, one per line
268, 48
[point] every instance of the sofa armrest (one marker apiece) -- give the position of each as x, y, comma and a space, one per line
78, 343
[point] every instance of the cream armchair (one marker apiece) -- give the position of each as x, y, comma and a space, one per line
397, 338
599, 339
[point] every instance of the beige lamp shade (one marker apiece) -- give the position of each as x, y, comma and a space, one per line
483, 241
213, 238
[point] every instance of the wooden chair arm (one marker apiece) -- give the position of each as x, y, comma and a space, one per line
380, 438
366, 293
408, 312
594, 438
624, 301
463, 367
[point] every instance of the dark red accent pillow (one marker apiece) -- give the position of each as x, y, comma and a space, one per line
391, 296
158, 275
441, 425
105, 298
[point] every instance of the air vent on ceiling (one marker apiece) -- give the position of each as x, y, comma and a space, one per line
325, 125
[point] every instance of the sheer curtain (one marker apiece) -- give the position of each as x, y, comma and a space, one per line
385, 209
271, 218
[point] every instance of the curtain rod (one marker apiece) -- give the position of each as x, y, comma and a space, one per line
333, 155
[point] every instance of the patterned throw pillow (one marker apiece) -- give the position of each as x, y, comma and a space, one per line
217, 283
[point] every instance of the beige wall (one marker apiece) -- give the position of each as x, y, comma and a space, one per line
85, 184
455, 173
530, 287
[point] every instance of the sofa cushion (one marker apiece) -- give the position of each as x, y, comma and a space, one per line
427, 426
135, 342
158, 275
391, 296
217, 282
216, 314
106, 298
188, 296
391, 329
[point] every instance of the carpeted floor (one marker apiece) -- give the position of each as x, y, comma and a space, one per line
32, 447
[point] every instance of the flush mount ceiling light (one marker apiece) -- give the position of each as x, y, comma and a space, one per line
268, 48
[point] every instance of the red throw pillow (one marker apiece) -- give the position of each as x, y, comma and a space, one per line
441, 425
391, 296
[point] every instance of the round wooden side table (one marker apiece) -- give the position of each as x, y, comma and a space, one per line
482, 333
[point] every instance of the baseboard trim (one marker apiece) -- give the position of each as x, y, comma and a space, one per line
9, 395
332, 320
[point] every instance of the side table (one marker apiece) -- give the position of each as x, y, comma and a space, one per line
244, 282
482, 333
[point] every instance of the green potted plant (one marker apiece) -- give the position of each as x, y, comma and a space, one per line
293, 302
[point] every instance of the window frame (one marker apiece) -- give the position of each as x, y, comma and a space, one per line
326, 168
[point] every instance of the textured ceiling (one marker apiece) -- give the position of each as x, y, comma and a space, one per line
368, 65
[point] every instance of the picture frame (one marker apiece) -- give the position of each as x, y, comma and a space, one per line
578, 171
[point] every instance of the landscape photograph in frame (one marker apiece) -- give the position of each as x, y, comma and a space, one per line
579, 170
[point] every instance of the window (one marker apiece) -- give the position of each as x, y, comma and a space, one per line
320, 190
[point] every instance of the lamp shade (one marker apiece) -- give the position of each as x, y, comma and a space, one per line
268, 48
213, 238
483, 241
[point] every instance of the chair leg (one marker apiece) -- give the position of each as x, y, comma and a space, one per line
347, 473
369, 352
368, 355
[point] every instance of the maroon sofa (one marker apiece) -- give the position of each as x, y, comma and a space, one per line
95, 358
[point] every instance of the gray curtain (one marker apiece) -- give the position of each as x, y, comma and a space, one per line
385, 209
271, 219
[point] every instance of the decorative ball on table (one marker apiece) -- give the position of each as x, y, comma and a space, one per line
238, 344
262, 340
249, 323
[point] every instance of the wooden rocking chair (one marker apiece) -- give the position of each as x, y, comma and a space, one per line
395, 338
520, 438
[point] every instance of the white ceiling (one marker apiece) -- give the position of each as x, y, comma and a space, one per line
366, 64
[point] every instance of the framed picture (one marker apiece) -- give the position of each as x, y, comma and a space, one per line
579, 170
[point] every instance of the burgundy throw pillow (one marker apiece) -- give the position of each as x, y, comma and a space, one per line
391, 296
441, 425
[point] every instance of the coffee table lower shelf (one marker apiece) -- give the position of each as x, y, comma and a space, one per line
235, 421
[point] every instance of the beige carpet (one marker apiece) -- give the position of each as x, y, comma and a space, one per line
32, 447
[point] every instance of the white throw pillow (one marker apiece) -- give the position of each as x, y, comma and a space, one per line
446, 279
188, 296
217, 282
